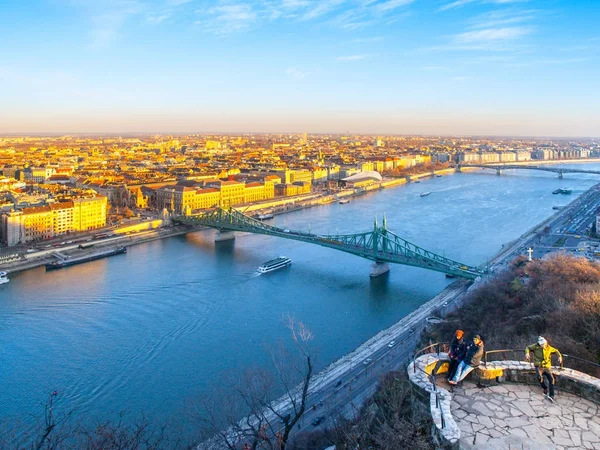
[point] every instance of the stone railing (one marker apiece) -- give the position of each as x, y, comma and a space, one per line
423, 369
421, 373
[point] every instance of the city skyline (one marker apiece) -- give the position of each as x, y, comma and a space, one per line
465, 67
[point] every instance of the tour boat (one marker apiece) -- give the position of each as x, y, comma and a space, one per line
274, 264
425, 194
344, 201
4, 277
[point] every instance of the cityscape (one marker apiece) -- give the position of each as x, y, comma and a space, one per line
299, 225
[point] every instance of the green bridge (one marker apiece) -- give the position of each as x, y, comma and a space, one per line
379, 245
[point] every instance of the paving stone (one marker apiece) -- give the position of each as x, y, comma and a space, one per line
516, 422
537, 434
581, 422
486, 422
550, 423
515, 412
459, 414
527, 410
562, 441
588, 436
481, 408
471, 418
576, 438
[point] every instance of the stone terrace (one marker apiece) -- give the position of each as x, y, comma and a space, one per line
516, 416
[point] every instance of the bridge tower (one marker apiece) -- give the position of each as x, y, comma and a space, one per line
379, 267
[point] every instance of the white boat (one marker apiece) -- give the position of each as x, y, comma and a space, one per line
4, 278
416, 181
425, 194
274, 264
344, 201
265, 216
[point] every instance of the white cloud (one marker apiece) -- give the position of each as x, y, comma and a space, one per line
157, 19
390, 5
228, 18
296, 74
491, 34
460, 3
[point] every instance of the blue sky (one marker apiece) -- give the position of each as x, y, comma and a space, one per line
501, 67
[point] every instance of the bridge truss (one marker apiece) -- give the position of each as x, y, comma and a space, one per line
379, 245
499, 167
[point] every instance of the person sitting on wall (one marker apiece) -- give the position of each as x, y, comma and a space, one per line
542, 361
471, 361
456, 353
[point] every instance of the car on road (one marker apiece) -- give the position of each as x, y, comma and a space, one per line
317, 421
338, 383
367, 361
392, 344
411, 331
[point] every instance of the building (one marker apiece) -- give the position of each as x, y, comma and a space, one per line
232, 192
89, 213
62, 217
362, 179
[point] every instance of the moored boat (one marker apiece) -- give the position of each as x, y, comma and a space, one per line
4, 277
265, 216
344, 201
274, 264
425, 194
85, 258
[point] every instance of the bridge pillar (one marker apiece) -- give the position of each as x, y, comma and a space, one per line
498, 171
224, 236
560, 174
378, 268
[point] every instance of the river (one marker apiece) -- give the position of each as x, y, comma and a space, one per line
147, 331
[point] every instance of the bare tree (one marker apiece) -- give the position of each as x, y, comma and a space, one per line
244, 412
57, 429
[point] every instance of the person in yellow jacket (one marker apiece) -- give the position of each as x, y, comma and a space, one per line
542, 361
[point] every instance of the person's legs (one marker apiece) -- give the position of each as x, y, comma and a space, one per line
459, 370
466, 371
540, 374
452, 368
548, 374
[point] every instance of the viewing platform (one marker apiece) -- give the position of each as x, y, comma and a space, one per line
501, 406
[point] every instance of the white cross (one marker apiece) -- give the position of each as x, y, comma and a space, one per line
529, 251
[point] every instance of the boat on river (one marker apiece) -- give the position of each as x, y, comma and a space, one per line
85, 258
425, 194
275, 264
562, 191
265, 216
4, 277
344, 201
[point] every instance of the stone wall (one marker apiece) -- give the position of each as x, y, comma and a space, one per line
446, 431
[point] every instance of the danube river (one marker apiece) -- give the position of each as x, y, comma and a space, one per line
147, 331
